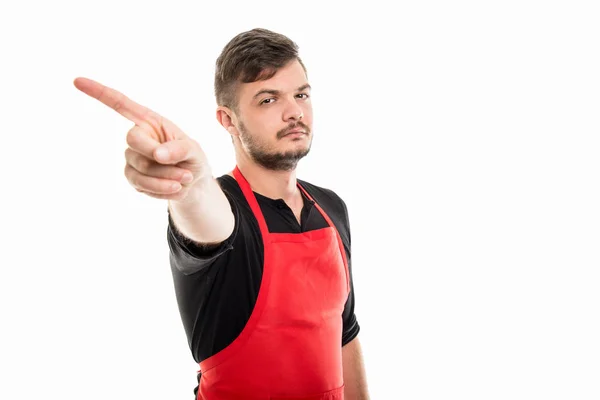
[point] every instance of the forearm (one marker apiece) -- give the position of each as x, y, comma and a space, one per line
205, 215
355, 379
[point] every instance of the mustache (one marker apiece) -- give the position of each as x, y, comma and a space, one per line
298, 124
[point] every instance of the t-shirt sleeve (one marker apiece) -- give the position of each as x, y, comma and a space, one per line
189, 257
350, 327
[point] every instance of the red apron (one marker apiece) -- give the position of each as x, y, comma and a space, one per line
291, 347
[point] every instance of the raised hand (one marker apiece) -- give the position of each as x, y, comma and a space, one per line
161, 160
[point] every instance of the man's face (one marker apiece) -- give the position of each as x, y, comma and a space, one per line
269, 110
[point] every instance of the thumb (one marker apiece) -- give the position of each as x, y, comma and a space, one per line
176, 151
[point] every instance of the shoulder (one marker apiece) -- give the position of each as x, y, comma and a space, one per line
333, 205
229, 185
322, 194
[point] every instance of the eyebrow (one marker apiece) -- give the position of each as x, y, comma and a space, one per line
276, 92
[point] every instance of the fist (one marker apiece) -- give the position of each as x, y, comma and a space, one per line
160, 160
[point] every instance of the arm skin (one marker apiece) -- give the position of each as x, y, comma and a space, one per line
355, 379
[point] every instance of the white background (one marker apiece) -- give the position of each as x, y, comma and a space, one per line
464, 137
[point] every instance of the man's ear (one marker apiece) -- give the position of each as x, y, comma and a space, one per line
227, 119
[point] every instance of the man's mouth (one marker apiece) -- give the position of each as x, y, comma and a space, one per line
295, 131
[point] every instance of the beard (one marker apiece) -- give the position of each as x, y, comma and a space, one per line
275, 161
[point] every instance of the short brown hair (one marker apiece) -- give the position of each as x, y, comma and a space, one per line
250, 56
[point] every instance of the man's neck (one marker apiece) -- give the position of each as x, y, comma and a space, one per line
269, 183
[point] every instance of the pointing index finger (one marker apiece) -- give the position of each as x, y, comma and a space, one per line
117, 101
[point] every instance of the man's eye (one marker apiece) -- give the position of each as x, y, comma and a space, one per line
266, 101
304, 94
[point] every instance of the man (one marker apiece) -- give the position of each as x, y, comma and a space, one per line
260, 259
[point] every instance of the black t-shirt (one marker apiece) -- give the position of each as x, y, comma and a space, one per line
217, 287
